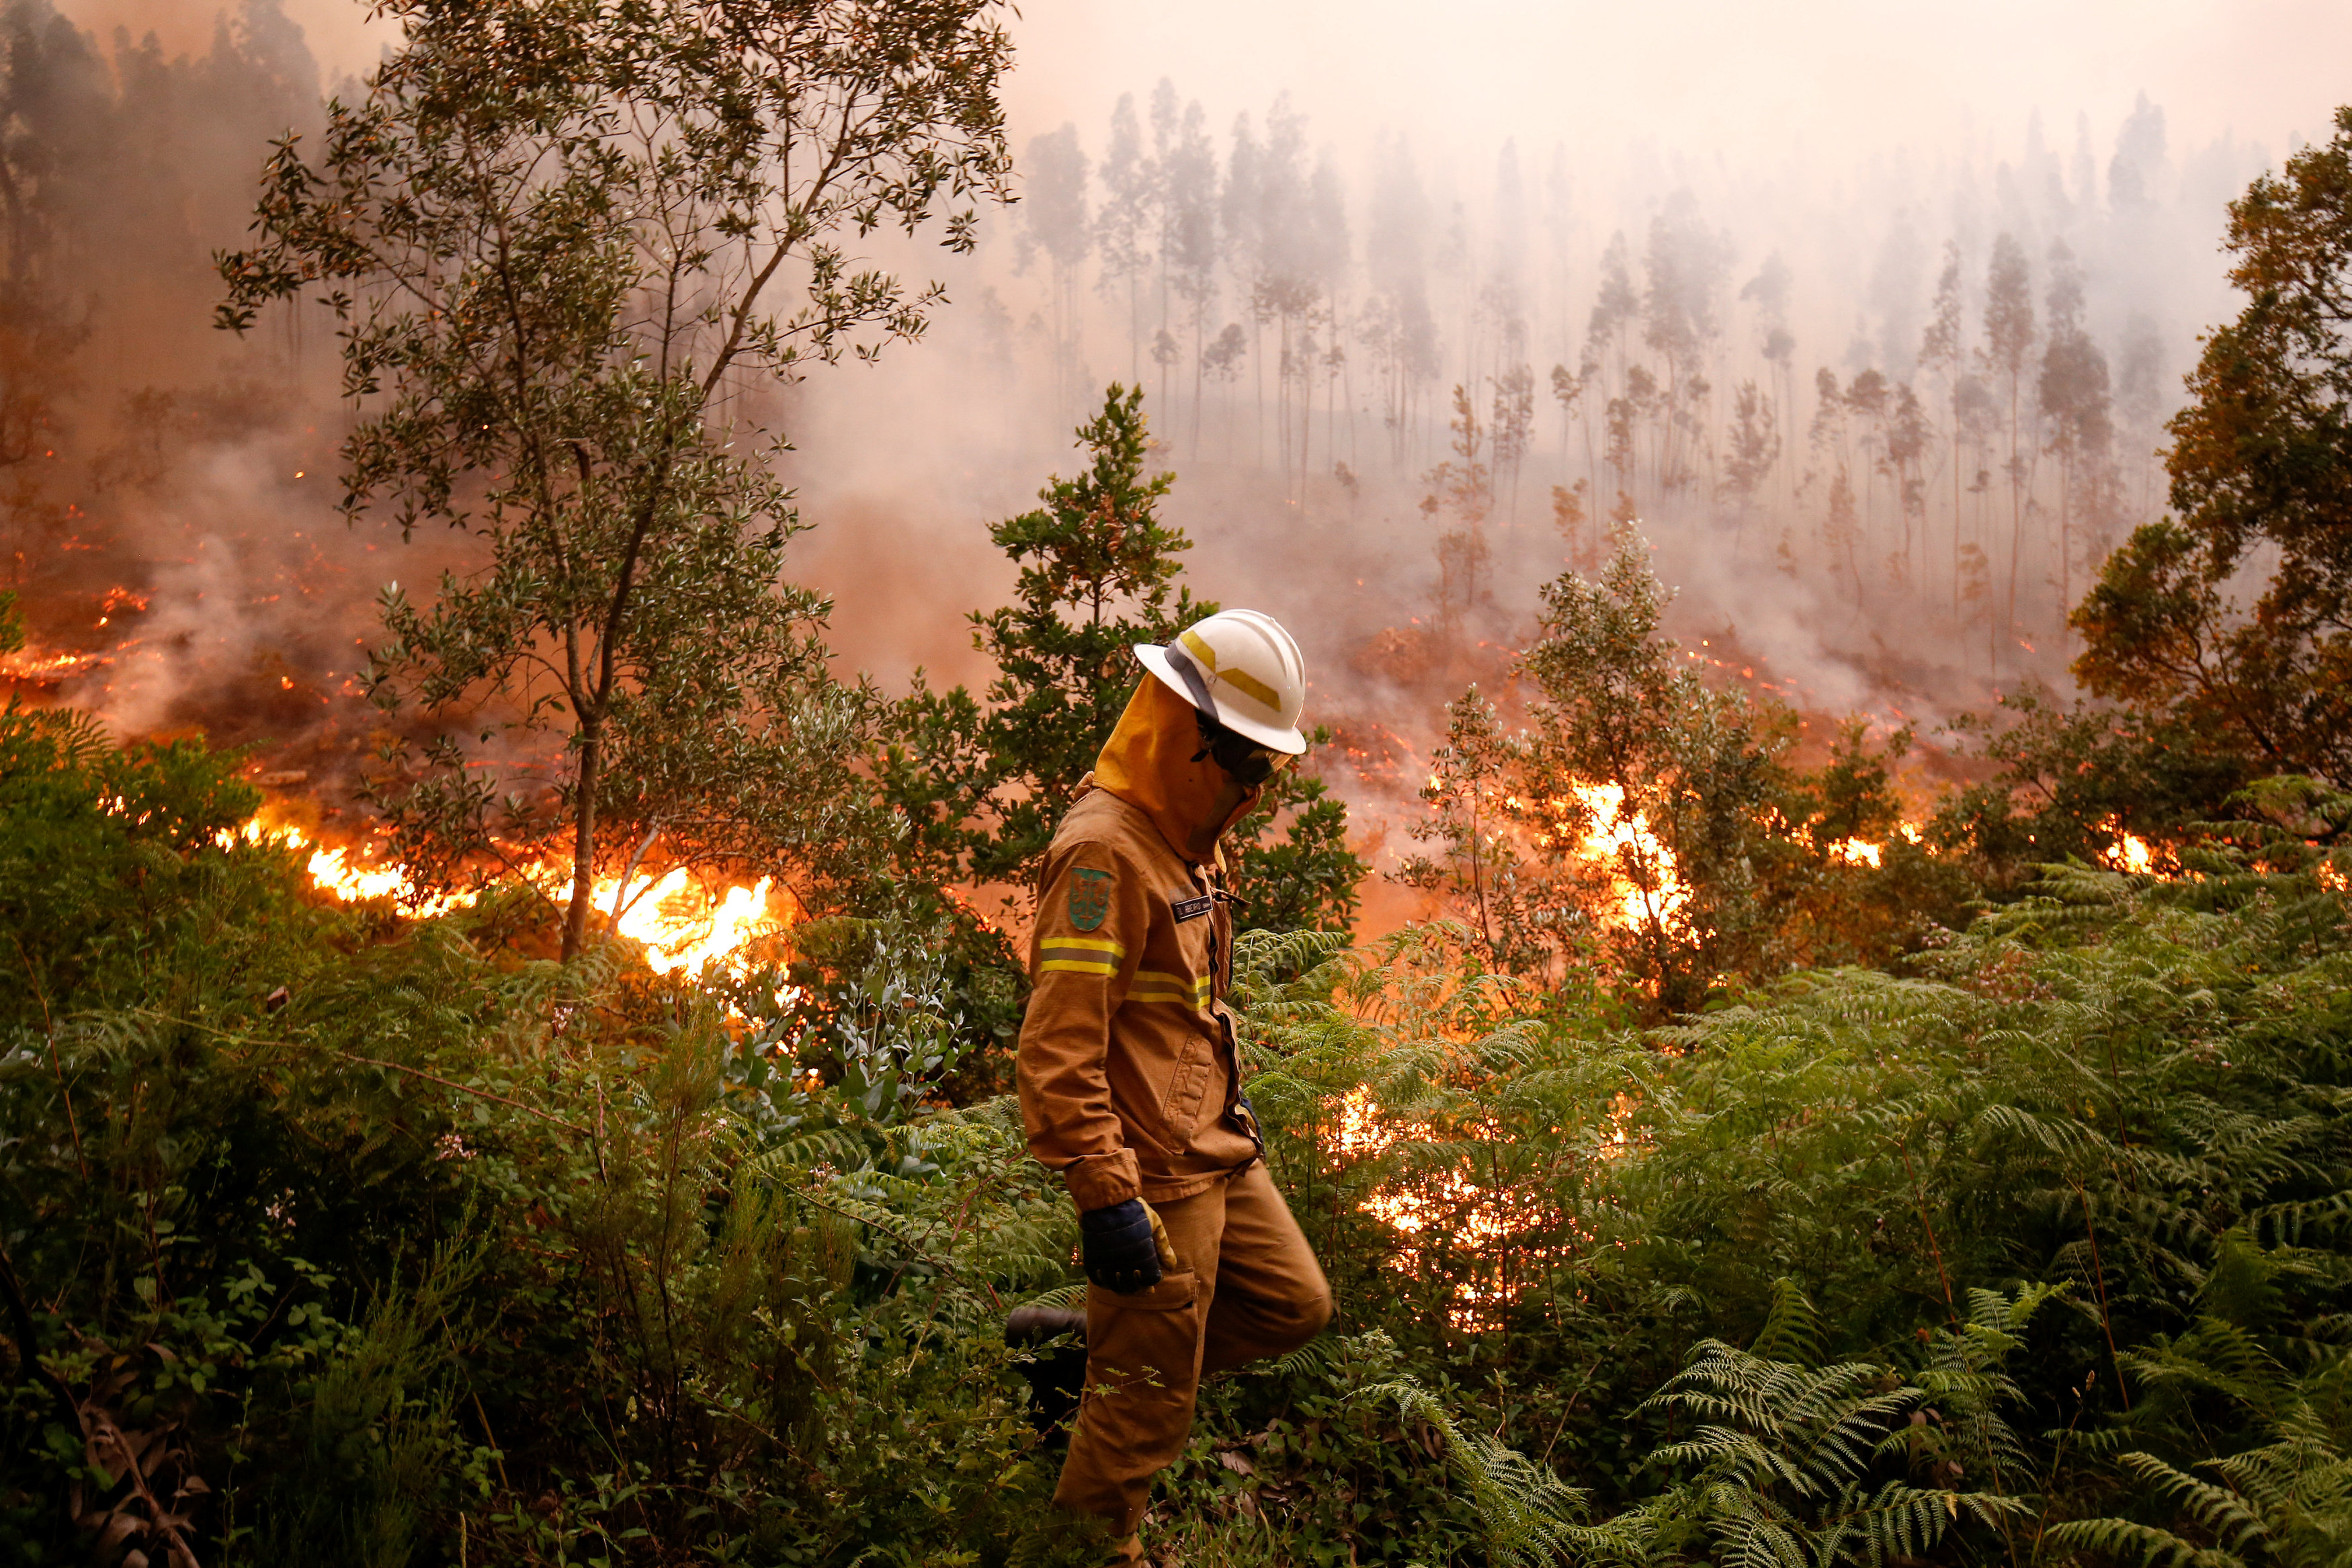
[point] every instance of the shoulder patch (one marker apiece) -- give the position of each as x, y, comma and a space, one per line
1089, 897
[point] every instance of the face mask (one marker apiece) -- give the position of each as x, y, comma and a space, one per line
1245, 761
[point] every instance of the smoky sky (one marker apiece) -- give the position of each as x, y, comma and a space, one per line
1842, 146
1819, 76
1816, 77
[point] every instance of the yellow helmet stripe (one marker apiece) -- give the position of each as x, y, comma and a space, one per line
1240, 680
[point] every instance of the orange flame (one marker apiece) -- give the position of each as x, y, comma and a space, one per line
2130, 852
2133, 853
1855, 851
1447, 1208
1619, 838
684, 925
26, 664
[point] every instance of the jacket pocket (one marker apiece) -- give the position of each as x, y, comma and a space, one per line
1180, 1108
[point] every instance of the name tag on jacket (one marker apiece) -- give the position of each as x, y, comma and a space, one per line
1190, 908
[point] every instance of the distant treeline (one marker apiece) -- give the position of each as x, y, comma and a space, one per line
1963, 424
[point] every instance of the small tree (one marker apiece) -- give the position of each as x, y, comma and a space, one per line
1488, 865
559, 236
1632, 752
1649, 820
981, 786
2261, 471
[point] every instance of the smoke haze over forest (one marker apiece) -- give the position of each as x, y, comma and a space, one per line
1690, 257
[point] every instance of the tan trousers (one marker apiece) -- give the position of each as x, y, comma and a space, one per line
1246, 1286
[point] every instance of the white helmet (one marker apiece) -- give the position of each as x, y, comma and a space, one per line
1242, 669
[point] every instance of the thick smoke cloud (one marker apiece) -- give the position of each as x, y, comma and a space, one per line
1300, 241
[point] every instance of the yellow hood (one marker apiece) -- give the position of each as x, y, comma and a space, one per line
1147, 763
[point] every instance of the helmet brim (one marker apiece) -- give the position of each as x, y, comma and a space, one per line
1273, 737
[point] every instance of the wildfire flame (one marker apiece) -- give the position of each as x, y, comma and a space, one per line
682, 922
1446, 1208
683, 927
1441, 1204
2132, 854
1855, 851
41, 668
1619, 837
335, 871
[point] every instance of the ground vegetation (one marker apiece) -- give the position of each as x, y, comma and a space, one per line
332, 1234
1734, 1178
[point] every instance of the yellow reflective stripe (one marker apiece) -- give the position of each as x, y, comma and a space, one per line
1109, 952
1079, 956
1241, 680
1156, 986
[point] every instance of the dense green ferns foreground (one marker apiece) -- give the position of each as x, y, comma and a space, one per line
336, 1240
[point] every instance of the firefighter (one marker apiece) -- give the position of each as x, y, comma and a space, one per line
1129, 1083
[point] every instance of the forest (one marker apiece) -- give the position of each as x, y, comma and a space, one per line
514, 1063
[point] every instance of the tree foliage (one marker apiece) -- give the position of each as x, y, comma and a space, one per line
1648, 827
2234, 616
553, 236
980, 782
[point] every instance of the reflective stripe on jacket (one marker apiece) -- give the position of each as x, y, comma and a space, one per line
1127, 1069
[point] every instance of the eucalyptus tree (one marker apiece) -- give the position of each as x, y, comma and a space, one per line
2008, 339
2074, 399
1683, 268
563, 240
1187, 163
1123, 227
1396, 323
1055, 220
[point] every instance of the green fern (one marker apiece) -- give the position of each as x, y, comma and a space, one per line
2286, 1505
1529, 1515
1781, 1465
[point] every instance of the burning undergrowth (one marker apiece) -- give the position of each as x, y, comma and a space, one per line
685, 922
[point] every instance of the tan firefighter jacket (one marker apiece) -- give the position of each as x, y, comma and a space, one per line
1127, 1071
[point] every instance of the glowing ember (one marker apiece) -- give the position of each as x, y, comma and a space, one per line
26, 664
118, 600
1854, 852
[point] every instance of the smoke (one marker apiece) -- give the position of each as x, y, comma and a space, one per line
1299, 237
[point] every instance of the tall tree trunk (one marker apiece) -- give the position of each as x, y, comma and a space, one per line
2016, 520
583, 841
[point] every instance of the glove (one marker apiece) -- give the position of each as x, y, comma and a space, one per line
1245, 1118
1124, 1248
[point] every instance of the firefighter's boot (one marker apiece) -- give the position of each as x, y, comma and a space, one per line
1057, 1376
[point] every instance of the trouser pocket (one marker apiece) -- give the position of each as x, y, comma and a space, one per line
1142, 1375
1147, 1336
